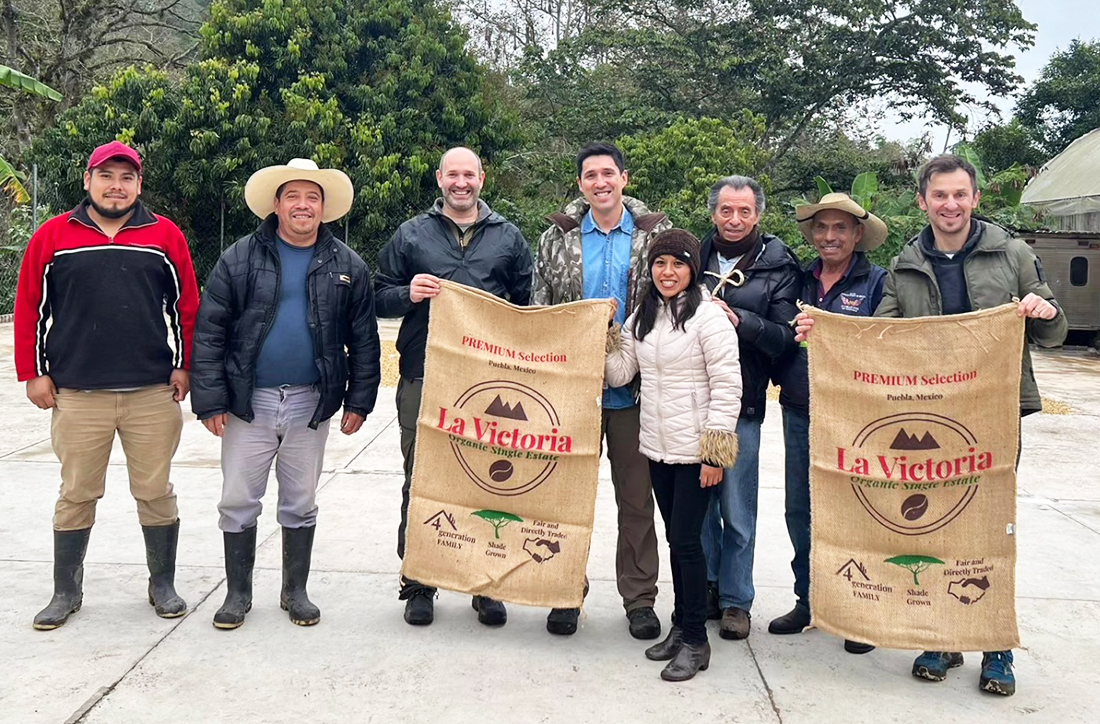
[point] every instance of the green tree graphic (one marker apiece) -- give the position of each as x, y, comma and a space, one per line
497, 518
916, 564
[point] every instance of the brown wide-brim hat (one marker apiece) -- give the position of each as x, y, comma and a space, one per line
259, 192
874, 228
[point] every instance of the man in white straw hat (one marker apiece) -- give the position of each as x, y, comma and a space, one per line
286, 334
840, 280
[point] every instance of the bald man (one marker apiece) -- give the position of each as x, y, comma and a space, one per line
461, 239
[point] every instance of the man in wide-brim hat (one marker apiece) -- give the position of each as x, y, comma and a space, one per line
840, 280
286, 334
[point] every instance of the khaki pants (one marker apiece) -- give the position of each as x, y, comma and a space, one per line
148, 422
636, 553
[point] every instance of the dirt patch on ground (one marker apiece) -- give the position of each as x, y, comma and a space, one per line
1055, 407
390, 373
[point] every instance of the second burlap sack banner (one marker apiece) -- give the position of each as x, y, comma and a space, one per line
913, 442
507, 448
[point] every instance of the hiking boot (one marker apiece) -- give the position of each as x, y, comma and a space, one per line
933, 665
714, 611
997, 676
794, 621
689, 660
160, 556
490, 612
420, 606
666, 650
297, 553
644, 624
69, 547
563, 621
736, 623
855, 647
240, 558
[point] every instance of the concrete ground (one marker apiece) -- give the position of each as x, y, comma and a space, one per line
116, 662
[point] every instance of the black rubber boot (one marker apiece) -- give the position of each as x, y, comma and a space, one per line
240, 558
69, 547
160, 554
297, 549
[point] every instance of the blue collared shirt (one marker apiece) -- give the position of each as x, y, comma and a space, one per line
606, 263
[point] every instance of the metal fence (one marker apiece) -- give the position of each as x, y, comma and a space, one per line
19, 221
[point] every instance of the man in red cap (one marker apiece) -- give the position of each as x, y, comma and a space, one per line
104, 311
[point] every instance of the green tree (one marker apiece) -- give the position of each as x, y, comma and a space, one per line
1061, 105
673, 169
497, 518
378, 88
73, 45
1003, 146
830, 150
915, 564
792, 61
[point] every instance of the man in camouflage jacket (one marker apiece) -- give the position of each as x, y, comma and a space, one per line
596, 249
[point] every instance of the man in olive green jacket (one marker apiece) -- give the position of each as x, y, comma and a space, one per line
960, 264
996, 268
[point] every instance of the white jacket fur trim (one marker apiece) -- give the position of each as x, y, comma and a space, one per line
691, 381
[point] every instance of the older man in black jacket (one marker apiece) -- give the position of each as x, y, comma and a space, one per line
460, 239
756, 280
286, 334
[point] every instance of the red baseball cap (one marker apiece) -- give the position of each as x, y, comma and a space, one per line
114, 149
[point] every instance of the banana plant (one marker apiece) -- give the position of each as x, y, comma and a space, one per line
11, 181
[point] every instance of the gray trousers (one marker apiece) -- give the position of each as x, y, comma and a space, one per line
280, 432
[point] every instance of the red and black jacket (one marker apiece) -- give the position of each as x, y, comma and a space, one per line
96, 312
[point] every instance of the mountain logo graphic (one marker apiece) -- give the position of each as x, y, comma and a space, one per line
905, 441
932, 446
499, 408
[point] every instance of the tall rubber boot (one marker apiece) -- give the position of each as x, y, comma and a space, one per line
297, 549
69, 547
160, 555
240, 558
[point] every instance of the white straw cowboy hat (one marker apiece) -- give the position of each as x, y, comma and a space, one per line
874, 228
259, 192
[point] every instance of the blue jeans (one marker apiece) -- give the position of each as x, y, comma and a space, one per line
729, 531
796, 441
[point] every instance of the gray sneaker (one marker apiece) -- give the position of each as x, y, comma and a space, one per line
736, 623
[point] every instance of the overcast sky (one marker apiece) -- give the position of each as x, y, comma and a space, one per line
1059, 21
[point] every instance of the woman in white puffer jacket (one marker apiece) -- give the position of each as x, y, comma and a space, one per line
686, 352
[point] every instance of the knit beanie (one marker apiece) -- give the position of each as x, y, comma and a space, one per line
678, 243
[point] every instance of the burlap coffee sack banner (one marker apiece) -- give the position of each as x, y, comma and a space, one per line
914, 432
507, 448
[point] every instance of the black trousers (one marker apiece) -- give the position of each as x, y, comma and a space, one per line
683, 504
408, 408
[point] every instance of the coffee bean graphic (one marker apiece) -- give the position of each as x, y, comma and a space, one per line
501, 470
914, 506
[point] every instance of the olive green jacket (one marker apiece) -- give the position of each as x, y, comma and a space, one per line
999, 269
